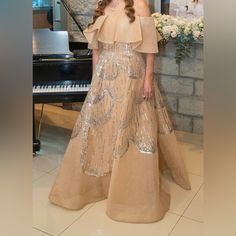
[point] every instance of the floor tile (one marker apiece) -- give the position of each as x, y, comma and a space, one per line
180, 198
38, 233
46, 164
54, 172
186, 137
54, 141
193, 156
187, 227
36, 174
195, 209
46, 216
95, 222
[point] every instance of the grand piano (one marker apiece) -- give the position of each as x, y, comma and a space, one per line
59, 75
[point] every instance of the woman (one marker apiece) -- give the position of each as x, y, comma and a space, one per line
123, 139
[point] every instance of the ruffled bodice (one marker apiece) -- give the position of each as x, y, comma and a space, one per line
140, 34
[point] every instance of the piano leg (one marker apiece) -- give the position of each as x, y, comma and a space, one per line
36, 142
40, 121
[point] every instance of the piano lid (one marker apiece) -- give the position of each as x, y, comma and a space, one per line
47, 42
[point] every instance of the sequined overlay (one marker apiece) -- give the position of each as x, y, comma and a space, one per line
117, 58
114, 112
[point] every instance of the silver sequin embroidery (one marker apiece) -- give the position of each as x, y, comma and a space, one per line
114, 101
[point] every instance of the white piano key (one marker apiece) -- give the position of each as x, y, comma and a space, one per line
61, 89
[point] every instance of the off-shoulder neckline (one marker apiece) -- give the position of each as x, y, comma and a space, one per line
115, 8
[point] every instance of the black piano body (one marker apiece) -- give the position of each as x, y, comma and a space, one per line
59, 76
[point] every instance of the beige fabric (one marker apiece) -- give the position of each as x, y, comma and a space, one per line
121, 143
133, 189
116, 28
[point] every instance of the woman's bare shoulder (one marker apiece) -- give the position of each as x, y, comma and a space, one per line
142, 8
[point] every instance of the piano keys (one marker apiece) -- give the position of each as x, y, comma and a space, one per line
61, 80
57, 88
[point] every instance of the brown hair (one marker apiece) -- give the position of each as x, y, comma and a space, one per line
129, 9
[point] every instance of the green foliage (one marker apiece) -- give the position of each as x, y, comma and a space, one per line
183, 47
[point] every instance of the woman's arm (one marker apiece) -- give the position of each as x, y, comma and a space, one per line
148, 80
142, 9
95, 58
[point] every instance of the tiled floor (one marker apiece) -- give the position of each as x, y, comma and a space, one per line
185, 216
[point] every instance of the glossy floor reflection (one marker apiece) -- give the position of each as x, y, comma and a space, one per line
185, 216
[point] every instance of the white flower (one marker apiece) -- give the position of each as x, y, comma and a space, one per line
173, 34
196, 34
201, 25
170, 26
187, 31
175, 28
156, 14
167, 29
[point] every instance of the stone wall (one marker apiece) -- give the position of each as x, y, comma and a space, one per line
83, 10
182, 86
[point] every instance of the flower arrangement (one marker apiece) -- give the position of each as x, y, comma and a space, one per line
182, 31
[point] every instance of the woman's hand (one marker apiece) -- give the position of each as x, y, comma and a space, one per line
148, 88
148, 85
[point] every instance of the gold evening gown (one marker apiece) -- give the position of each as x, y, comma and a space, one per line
121, 144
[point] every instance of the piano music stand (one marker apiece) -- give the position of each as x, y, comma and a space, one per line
72, 14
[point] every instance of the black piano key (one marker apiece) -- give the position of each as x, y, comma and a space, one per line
51, 75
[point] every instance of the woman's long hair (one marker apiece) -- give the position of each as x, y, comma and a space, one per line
129, 9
